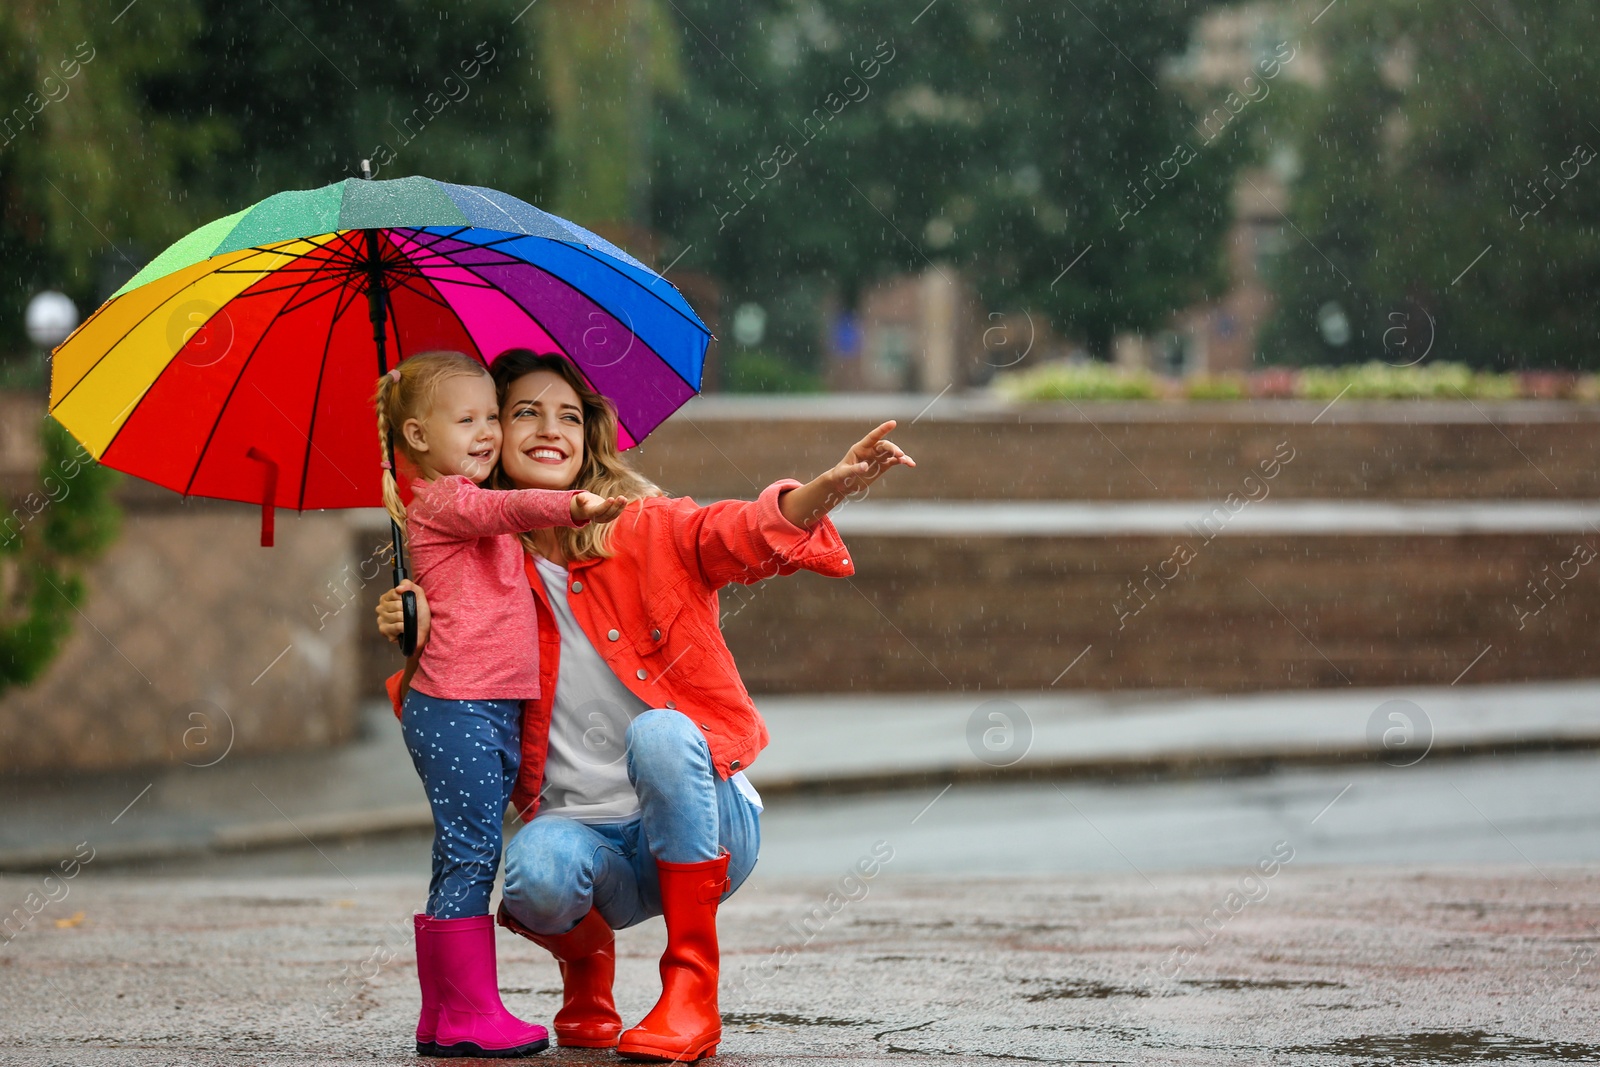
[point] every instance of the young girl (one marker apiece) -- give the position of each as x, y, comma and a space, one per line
462, 715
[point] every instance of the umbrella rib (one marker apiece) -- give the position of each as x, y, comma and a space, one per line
334, 236
295, 304
629, 327
524, 310
418, 234
507, 239
573, 360
113, 346
222, 409
434, 297
457, 316
440, 259
316, 398
604, 261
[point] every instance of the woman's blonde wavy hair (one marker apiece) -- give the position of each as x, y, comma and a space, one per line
604, 471
408, 393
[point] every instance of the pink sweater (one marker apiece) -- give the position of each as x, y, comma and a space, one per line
483, 641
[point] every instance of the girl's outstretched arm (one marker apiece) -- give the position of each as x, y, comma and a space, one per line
866, 462
454, 507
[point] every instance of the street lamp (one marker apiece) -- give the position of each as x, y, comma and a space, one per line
51, 318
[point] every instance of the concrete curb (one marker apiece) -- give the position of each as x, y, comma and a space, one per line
239, 837
1198, 763
1167, 766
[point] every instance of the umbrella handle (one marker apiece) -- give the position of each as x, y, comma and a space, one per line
408, 609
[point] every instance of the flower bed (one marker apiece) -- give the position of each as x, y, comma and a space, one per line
1366, 381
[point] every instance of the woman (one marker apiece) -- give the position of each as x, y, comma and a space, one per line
664, 822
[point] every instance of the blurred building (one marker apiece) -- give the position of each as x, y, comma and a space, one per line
919, 332
1218, 337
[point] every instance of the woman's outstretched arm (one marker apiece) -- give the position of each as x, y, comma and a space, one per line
784, 530
867, 461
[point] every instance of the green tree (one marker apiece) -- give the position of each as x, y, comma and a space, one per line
821, 147
46, 539
193, 109
87, 165
306, 91
1447, 202
604, 61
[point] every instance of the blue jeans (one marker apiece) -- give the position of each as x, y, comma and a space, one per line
557, 868
467, 753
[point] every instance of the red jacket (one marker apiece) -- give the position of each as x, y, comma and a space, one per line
651, 610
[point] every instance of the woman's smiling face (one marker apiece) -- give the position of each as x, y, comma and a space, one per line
542, 423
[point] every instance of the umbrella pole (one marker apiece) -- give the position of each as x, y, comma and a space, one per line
376, 309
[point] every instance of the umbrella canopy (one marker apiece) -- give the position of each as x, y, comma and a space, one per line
240, 363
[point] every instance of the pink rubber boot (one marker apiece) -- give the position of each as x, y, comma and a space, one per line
471, 1019
427, 978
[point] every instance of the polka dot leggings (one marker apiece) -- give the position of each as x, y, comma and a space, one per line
466, 752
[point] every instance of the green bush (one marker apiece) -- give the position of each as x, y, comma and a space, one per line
1215, 387
45, 540
1076, 381
1380, 381
756, 371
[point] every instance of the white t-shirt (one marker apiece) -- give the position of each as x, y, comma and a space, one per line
586, 771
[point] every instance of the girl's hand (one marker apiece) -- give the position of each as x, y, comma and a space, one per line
391, 620
586, 505
867, 461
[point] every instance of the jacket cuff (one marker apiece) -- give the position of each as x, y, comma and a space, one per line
391, 685
819, 549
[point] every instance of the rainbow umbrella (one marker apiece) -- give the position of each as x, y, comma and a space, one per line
239, 364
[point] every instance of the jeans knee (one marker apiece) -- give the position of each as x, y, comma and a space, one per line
663, 732
546, 880
536, 897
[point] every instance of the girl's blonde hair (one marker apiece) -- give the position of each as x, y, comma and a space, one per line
407, 392
604, 471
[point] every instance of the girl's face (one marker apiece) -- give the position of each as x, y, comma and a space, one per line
543, 422
460, 434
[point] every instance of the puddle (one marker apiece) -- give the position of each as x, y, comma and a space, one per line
1083, 991
1446, 1047
1235, 984
785, 1019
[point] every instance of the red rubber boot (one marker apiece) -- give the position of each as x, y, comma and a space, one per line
472, 1021
428, 1020
587, 954
685, 1023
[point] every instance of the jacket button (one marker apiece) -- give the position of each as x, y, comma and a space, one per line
703, 726
671, 706
847, 562
655, 635
734, 765
612, 635
577, 587
642, 674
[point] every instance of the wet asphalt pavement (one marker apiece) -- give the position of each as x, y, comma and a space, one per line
1443, 913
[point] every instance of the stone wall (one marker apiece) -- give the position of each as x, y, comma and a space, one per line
186, 611
1248, 613
1357, 450
193, 641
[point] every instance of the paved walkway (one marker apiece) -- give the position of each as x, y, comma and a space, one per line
819, 744
1205, 519
1304, 966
